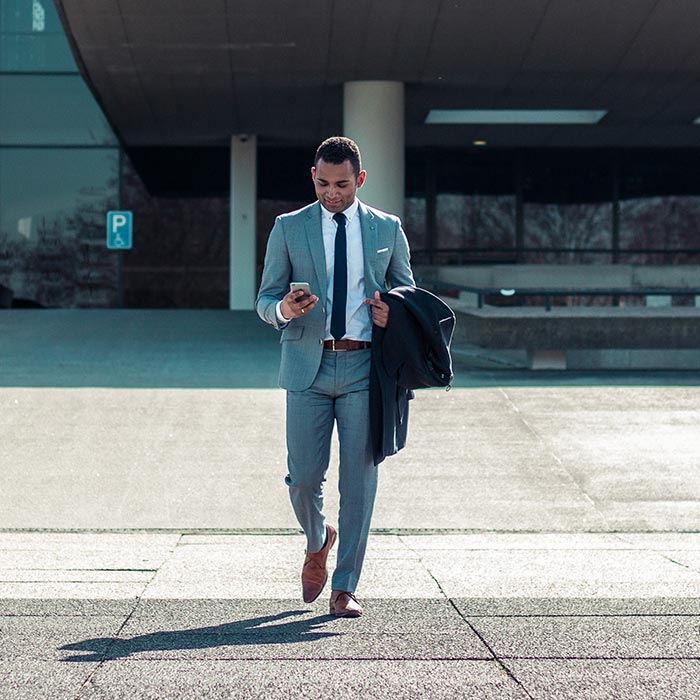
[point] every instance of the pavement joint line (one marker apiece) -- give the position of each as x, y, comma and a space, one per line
374, 531
601, 658
507, 616
393, 659
506, 670
509, 672
562, 467
102, 661
659, 553
128, 617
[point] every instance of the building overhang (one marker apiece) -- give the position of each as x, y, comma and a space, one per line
186, 73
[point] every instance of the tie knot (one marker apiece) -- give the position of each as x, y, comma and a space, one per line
339, 219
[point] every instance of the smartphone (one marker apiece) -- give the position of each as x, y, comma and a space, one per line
303, 286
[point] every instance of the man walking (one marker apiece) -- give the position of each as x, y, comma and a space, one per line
348, 253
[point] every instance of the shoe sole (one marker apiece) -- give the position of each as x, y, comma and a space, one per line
346, 614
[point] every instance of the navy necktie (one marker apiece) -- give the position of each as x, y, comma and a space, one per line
340, 280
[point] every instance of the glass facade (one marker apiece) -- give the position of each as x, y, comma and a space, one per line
59, 168
582, 206
33, 38
62, 169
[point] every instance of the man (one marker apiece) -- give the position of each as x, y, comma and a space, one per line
348, 253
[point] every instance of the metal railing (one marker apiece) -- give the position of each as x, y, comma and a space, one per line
548, 294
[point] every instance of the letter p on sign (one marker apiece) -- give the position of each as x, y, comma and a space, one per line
119, 230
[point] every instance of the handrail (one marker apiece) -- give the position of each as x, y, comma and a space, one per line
548, 293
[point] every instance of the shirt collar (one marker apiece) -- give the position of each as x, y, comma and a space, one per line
349, 212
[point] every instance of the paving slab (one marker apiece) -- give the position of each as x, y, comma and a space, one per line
390, 616
494, 542
67, 607
574, 607
75, 576
314, 645
43, 637
557, 573
255, 566
608, 680
62, 589
345, 680
611, 636
36, 679
662, 541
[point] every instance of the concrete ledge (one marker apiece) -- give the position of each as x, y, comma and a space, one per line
569, 328
585, 337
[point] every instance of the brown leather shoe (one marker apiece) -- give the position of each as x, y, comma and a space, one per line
314, 574
344, 604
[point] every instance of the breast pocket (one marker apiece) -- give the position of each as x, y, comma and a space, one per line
382, 259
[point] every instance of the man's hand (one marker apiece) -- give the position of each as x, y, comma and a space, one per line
295, 304
380, 310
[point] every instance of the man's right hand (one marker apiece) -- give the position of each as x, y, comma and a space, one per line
295, 304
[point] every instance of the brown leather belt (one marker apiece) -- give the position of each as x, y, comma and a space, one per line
346, 344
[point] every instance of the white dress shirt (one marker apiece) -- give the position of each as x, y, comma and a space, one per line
358, 320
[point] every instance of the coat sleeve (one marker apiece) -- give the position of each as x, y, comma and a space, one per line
399, 271
276, 275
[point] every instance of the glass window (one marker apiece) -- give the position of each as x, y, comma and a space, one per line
51, 110
53, 204
567, 207
660, 206
414, 223
32, 38
475, 206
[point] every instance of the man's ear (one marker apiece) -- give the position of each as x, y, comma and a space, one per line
313, 174
361, 178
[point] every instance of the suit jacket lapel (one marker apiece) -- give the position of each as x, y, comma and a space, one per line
369, 247
314, 235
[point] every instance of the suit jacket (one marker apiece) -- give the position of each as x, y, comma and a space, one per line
295, 253
412, 352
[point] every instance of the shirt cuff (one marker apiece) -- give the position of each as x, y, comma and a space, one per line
279, 315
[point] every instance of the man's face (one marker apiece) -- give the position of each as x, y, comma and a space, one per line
336, 184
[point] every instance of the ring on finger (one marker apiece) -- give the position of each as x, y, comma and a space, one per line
302, 311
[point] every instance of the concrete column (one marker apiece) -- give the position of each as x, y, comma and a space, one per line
242, 227
373, 116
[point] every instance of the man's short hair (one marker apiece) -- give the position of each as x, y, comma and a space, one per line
338, 149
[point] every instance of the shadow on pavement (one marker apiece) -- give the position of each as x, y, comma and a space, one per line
241, 632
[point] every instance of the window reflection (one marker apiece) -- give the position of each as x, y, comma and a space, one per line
51, 110
32, 38
52, 230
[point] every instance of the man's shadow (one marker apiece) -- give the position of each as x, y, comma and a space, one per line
230, 634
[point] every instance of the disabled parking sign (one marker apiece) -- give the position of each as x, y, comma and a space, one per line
119, 230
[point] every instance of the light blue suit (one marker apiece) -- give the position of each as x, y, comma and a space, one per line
324, 386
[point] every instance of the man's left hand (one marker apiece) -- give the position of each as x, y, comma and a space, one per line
380, 310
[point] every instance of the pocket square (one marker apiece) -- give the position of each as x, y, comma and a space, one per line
383, 250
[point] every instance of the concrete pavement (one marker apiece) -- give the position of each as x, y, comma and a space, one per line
537, 538
140, 615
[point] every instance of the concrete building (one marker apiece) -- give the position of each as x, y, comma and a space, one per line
502, 132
